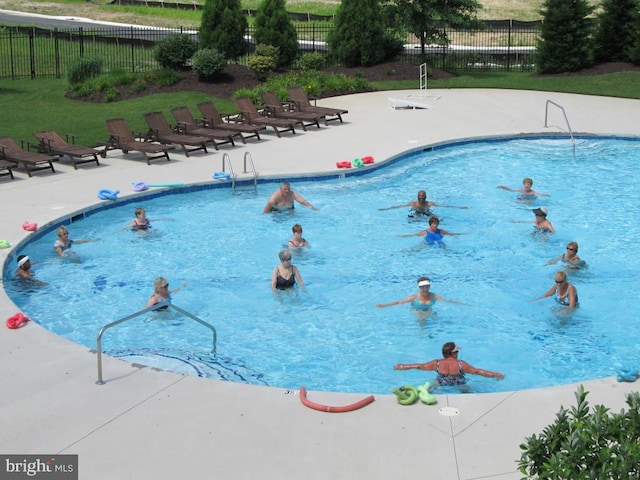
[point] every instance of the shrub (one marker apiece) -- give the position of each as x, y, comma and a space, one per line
208, 62
83, 69
222, 27
261, 65
274, 27
165, 77
174, 51
311, 61
584, 444
616, 31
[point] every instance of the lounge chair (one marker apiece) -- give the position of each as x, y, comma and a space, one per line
32, 161
189, 125
51, 142
122, 138
6, 168
300, 99
277, 109
212, 118
252, 116
160, 131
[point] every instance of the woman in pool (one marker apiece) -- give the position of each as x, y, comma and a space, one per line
526, 193
433, 234
542, 226
297, 241
424, 299
63, 245
141, 222
451, 371
570, 258
564, 292
285, 275
24, 271
161, 292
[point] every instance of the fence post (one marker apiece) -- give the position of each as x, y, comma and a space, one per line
81, 41
509, 47
32, 53
133, 53
56, 47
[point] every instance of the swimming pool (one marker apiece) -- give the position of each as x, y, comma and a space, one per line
330, 336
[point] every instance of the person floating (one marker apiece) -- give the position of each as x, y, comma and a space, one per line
433, 234
63, 244
24, 271
420, 207
285, 275
423, 299
564, 292
526, 193
161, 293
450, 370
297, 241
570, 258
283, 199
541, 226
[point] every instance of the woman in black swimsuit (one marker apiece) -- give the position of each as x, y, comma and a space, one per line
285, 275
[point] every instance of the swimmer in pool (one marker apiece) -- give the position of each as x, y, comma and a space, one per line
283, 199
450, 370
24, 271
526, 193
140, 223
433, 234
423, 299
570, 258
297, 241
421, 206
63, 245
161, 292
541, 224
564, 292
285, 275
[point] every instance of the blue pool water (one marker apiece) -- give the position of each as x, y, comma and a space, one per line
330, 336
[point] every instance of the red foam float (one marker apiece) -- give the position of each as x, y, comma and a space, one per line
367, 160
30, 227
17, 320
345, 164
327, 408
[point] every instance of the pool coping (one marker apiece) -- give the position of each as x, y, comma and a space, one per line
199, 426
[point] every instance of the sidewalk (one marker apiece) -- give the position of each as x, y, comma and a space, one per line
147, 424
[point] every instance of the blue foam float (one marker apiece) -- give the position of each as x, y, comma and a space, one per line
627, 375
106, 194
221, 176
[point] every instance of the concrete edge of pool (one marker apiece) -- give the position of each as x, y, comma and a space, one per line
149, 424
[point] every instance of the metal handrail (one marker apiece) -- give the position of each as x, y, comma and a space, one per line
226, 160
564, 114
157, 306
247, 156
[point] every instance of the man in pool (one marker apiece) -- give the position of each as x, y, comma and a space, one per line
421, 206
283, 199
24, 270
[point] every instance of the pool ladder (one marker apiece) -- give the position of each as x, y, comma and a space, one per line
247, 160
157, 306
566, 120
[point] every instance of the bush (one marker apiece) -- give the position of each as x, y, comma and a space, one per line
222, 27
586, 445
165, 77
208, 63
175, 51
261, 65
83, 69
311, 61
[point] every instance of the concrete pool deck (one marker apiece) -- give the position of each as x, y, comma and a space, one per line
148, 424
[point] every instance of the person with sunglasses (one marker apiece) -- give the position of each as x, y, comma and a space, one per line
62, 245
570, 258
420, 207
423, 299
161, 293
564, 292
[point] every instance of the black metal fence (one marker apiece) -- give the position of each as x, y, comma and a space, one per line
30, 52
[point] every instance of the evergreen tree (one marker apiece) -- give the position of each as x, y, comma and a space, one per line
634, 49
223, 27
616, 31
565, 43
274, 27
358, 36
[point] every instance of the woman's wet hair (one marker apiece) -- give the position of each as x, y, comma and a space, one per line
285, 254
433, 219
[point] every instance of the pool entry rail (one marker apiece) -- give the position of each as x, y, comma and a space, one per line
566, 120
247, 160
157, 306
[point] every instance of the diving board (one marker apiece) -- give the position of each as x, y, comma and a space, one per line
395, 102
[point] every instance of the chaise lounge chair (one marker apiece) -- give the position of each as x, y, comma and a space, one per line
250, 114
300, 99
212, 118
277, 109
6, 168
51, 142
160, 131
32, 161
122, 138
187, 124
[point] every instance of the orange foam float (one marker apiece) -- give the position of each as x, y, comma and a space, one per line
30, 227
328, 408
17, 320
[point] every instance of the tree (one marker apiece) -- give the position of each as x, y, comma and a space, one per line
274, 27
426, 18
358, 36
616, 31
634, 49
223, 27
565, 43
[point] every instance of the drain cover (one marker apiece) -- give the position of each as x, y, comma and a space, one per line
449, 411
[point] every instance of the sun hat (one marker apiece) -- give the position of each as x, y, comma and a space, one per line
540, 212
424, 283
